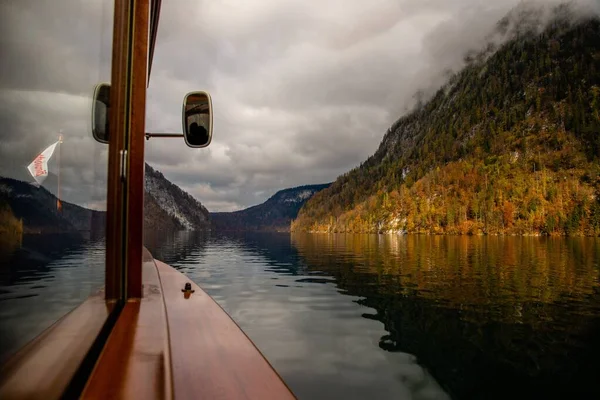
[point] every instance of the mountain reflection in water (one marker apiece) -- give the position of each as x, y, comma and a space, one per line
363, 316
355, 316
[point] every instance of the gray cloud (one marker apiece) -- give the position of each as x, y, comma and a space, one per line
302, 91
53, 53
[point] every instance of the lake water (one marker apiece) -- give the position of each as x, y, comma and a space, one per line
43, 279
409, 317
365, 316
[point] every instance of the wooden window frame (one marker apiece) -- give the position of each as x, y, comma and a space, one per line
125, 209
59, 361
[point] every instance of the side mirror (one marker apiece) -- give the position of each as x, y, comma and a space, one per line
100, 107
197, 119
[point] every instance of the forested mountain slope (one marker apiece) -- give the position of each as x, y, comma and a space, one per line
32, 209
511, 144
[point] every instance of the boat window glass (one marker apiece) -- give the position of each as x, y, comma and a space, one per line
52, 171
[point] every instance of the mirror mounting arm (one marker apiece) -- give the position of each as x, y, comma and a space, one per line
163, 135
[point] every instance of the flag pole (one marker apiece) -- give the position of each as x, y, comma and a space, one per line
60, 139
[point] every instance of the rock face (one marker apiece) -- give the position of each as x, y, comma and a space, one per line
275, 214
509, 145
168, 207
26, 208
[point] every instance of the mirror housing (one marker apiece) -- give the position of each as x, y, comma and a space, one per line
100, 114
197, 119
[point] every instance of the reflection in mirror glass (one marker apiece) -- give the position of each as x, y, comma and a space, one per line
197, 119
101, 105
52, 171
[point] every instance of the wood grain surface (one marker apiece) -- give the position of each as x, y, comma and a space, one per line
44, 368
168, 344
115, 198
211, 357
136, 144
135, 362
125, 198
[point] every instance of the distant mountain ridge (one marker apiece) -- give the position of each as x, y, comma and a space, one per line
33, 209
36, 207
275, 214
510, 145
167, 206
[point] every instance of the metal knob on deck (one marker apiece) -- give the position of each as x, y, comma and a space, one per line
187, 290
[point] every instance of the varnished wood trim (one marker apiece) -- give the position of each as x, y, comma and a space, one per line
211, 357
45, 367
166, 344
118, 115
125, 205
135, 362
136, 143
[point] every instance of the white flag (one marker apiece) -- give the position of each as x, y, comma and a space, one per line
39, 166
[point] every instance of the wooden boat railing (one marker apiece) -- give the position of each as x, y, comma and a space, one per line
170, 343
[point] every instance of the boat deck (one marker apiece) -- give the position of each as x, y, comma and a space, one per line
168, 344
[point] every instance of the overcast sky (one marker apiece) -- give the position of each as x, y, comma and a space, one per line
302, 91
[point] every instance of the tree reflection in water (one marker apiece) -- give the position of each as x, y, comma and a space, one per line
490, 317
